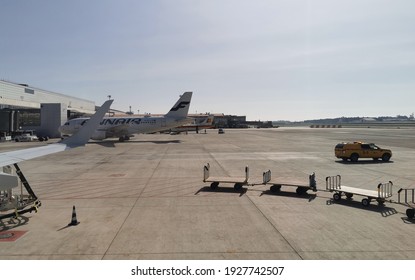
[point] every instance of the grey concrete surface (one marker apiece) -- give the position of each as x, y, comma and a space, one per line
145, 199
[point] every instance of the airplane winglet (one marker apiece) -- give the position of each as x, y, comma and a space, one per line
85, 132
181, 108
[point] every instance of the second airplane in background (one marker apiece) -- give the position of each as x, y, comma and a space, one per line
196, 125
126, 127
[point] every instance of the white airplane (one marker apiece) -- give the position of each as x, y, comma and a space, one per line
126, 127
196, 125
16, 204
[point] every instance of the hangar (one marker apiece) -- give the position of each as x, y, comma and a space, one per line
23, 107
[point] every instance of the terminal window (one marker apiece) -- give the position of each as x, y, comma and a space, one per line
29, 90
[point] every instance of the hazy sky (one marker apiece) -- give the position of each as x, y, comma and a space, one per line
268, 60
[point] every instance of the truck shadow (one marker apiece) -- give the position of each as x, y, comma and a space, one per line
362, 162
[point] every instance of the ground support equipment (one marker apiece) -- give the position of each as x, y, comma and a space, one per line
410, 212
238, 182
302, 187
14, 204
384, 191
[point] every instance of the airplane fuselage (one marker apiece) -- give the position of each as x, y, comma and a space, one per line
124, 126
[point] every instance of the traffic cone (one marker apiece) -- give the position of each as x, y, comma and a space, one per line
74, 221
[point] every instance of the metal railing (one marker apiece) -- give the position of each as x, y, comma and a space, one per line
406, 191
385, 189
333, 183
266, 177
206, 171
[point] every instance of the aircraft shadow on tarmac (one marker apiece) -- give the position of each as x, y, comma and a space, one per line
384, 210
363, 162
221, 189
7, 224
112, 143
308, 196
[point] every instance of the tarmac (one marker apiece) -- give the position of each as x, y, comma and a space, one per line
146, 199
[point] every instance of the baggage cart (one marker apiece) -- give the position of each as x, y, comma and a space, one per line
384, 191
215, 181
302, 186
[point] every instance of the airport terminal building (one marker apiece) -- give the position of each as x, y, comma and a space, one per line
23, 107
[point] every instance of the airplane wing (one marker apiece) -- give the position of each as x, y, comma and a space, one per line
78, 139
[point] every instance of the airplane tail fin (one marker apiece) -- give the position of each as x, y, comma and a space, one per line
181, 108
85, 132
208, 120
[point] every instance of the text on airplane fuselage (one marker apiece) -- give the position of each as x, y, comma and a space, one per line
120, 121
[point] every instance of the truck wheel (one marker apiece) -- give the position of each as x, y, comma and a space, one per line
354, 157
386, 157
275, 188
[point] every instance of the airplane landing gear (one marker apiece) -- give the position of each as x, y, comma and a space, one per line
124, 138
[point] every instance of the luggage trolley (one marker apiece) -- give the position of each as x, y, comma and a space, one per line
237, 181
302, 187
410, 212
384, 191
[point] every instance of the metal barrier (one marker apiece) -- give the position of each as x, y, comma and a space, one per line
246, 173
312, 181
266, 177
406, 195
333, 183
206, 171
385, 189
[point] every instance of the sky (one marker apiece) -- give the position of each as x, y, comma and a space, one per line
266, 59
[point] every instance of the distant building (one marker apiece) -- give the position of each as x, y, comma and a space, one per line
368, 119
23, 107
229, 121
233, 121
260, 124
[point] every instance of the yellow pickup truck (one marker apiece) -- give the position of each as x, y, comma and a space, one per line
355, 150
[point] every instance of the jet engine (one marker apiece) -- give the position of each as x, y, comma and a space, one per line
99, 135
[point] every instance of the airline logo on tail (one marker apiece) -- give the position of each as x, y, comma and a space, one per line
181, 108
180, 105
